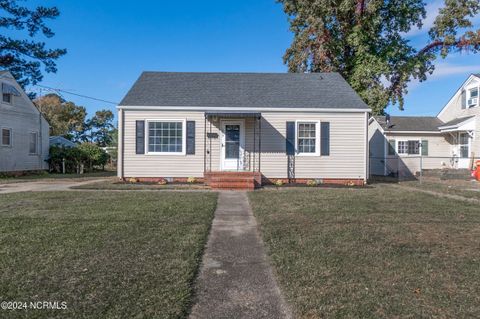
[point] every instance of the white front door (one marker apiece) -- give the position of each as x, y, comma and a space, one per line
233, 145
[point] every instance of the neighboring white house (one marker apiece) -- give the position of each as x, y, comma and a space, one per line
227, 127
24, 132
61, 142
403, 144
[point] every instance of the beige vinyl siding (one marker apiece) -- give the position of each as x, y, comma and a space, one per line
23, 118
347, 146
439, 152
453, 110
145, 165
378, 148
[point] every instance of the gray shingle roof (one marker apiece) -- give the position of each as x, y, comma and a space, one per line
457, 121
410, 123
312, 90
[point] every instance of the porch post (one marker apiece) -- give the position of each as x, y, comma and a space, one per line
254, 143
204, 145
259, 141
210, 149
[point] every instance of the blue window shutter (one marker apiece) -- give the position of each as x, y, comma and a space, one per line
190, 137
464, 99
140, 137
290, 146
325, 138
391, 147
425, 147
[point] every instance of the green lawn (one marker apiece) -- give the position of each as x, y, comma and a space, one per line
47, 176
372, 253
107, 255
469, 189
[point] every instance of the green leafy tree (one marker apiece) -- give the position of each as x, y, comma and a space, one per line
100, 128
366, 42
65, 118
24, 57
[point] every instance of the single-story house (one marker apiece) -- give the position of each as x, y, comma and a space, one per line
405, 145
61, 142
243, 129
24, 132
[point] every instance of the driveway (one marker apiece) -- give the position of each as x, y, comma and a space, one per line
45, 186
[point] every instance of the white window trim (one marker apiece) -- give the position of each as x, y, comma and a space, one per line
468, 96
36, 143
184, 137
317, 137
11, 137
406, 140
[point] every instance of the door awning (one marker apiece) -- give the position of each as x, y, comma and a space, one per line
458, 125
9, 89
233, 114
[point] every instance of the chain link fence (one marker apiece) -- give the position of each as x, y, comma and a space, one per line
406, 168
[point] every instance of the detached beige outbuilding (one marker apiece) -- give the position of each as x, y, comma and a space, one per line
250, 128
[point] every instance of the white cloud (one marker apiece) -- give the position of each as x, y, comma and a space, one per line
447, 69
443, 70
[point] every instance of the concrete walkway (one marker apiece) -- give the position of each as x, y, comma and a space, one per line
45, 186
235, 279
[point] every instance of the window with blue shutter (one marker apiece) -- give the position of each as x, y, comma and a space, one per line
325, 138
190, 137
290, 140
140, 137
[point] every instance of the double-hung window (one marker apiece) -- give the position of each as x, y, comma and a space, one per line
408, 147
166, 137
308, 138
32, 150
472, 98
6, 137
7, 98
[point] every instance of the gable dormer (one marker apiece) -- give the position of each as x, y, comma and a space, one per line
465, 101
470, 93
14, 99
9, 93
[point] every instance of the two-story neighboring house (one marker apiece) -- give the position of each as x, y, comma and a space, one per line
404, 144
24, 132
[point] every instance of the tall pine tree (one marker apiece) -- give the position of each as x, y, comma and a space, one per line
366, 42
19, 52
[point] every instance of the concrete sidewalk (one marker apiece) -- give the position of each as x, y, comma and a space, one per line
235, 279
45, 186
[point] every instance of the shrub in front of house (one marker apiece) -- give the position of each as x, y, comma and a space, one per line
279, 182
312, 183
84, 157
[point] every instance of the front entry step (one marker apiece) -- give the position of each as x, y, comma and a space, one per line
233, 180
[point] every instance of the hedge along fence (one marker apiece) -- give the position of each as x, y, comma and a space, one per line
85, 156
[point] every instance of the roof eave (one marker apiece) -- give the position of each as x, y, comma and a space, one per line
248, 109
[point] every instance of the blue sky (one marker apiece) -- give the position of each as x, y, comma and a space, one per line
110, 43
